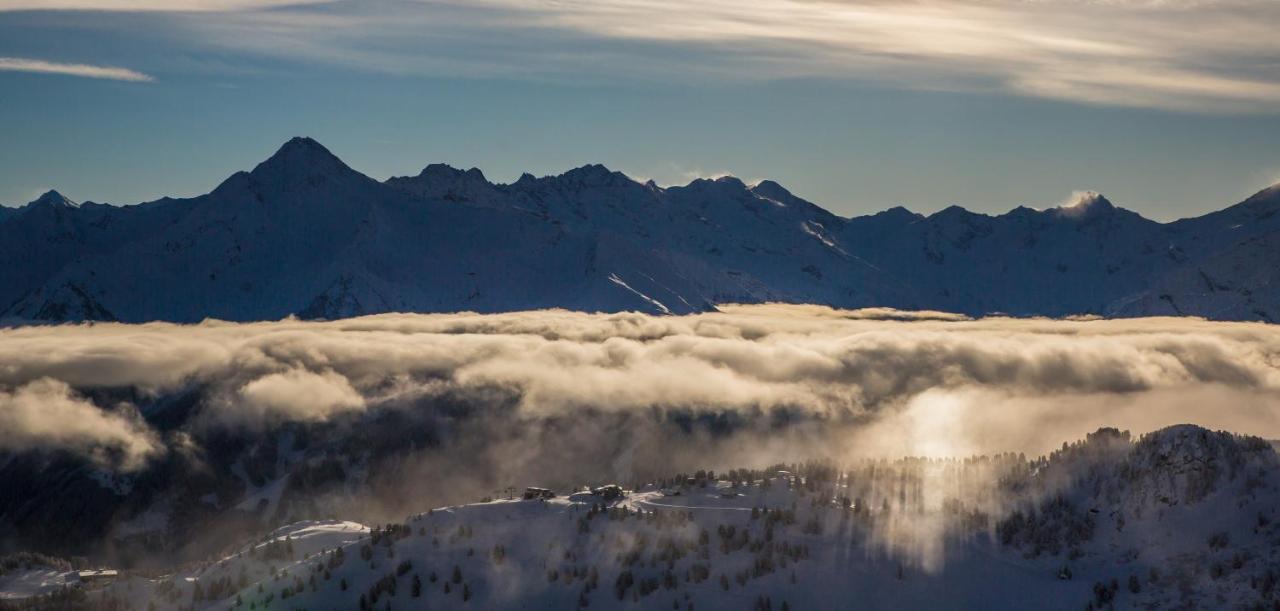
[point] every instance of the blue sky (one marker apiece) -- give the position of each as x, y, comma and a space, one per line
1170, 107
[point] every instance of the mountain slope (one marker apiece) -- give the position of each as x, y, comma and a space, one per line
1182, 518
1239, 282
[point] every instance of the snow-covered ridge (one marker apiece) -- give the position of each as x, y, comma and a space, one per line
303, 233
984, 532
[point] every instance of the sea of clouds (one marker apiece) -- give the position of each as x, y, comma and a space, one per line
866, 382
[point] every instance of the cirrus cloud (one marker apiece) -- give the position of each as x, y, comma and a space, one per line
1208, 55
1215, 56
202, 6
38, 66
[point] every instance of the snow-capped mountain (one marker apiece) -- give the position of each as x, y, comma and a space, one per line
304, 234
1182, 518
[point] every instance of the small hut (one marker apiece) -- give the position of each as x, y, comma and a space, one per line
533, 492
609, 492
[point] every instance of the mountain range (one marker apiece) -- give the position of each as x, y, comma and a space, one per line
304, 234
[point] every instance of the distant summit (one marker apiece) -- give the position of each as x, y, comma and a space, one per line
302, 161
594, 175
54, 199
1085, 205
301, 149
446, 182
304, 234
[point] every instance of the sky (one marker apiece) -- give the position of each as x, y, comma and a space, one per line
1169, 107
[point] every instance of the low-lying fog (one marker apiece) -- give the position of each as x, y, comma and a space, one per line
850, 383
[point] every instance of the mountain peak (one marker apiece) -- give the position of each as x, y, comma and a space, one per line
1271, 191
726, 186
717, 182
302, 145
54, 199
1085, 204
899, 213
595, 175
772, 190
954, 211
444, 172
443, 181
300, 158
1268, 197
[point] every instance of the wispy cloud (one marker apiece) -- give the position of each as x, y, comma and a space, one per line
1205, 55
146, 5
1217, 56
18, 64
684, 175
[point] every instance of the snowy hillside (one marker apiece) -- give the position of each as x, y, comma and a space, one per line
1182, 518
304, 234
1240, 282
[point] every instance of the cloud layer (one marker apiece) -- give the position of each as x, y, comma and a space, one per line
881, 382
18, 64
